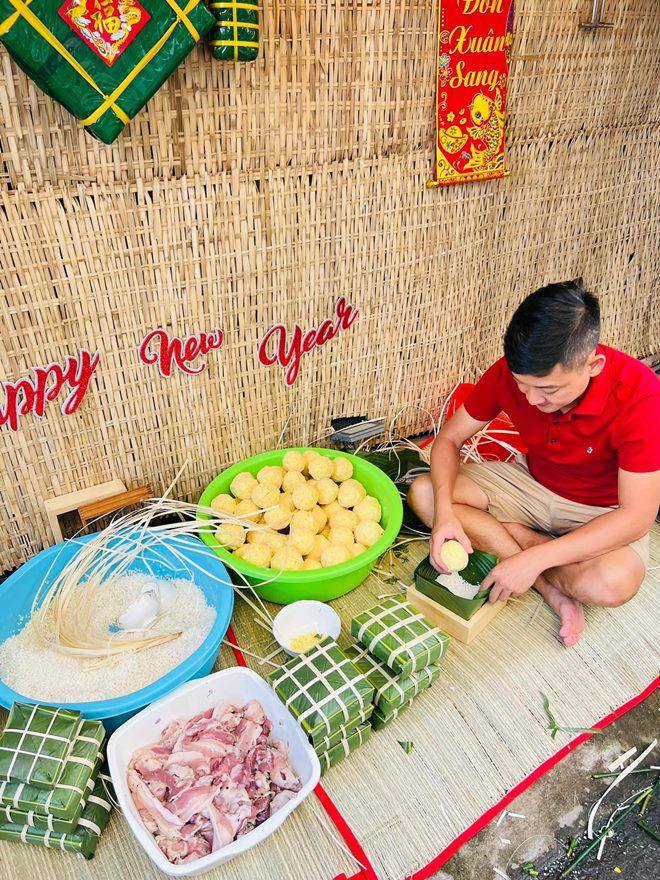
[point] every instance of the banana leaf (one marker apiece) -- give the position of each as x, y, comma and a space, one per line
479, 565
397, 464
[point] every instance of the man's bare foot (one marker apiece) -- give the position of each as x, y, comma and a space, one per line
569, 611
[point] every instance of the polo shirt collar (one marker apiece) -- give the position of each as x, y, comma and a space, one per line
595, 397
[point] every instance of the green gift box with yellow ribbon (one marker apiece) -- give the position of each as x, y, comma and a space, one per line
101, 59
235, 36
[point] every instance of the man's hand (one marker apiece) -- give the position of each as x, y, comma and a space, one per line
450, 529
512, 577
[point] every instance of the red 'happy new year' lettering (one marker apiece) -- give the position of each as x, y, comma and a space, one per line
30, 394
289, 355
158, 348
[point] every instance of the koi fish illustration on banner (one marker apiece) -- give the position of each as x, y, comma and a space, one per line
474, 48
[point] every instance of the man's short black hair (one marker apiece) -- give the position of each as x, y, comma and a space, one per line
557, 324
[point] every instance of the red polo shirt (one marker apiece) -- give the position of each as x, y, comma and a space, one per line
578, 454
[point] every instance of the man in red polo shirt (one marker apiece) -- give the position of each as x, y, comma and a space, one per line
572, 517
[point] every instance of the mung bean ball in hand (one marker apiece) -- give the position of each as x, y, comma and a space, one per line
265, 496
311, 564
287, 559
351, 493
320, 543
344, 517
319, 467
319, 517
305, 497
356, 549
294, 461
342, 469
340, 535
303, 519
248, 510
369, 508
335, 554
243, 485
277, 517
257, 554
367, 532
293, 479
224, 503
230, 535
271, 475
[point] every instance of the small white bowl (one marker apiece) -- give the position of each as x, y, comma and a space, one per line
302, 617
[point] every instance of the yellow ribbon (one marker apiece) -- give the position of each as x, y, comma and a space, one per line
234, 43
182, 15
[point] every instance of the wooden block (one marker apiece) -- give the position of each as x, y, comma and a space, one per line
108, 505
75, 500
464, 631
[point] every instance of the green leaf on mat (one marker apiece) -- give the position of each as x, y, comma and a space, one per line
406, 745
555, 728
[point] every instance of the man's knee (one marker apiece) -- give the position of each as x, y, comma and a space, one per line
615, 585
420, 493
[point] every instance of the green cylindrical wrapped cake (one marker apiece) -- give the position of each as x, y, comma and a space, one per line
235, 36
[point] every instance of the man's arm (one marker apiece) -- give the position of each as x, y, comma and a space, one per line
445, 461
639, 496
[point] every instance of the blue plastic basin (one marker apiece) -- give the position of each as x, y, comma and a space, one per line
18, 591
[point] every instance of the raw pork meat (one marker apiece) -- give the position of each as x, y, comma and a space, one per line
210, 779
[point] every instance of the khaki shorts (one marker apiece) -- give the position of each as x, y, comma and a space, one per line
515, 496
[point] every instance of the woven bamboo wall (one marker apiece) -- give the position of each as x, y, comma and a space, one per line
245, 195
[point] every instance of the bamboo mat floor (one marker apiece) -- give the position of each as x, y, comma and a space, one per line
477, 732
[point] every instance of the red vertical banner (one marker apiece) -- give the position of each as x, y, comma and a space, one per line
474, 48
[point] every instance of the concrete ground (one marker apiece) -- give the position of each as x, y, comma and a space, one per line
556, 808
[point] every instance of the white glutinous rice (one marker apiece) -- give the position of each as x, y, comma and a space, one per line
36, 669
456, 585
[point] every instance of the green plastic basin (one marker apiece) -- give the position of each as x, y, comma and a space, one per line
320, 584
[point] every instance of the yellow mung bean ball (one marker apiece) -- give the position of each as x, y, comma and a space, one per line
230, 535
265, 496
277, 517
319, 467
356, 549
326, 531
331, 508
293, 461
311, 564
288, 559
243, 485
258, 536
303, 519
310, 455
344, 517
287, 501
305, 497
257, 554
342, 469
334, 555
341, 535
350, 493
369, 508
238, 552
224, 503
367, 532
247, 509
320, 543
271, 475
327, 490
319, 517
293, 479
276, 541
302, 540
